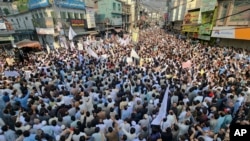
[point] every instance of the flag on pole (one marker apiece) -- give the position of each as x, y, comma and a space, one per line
134, 54
163, 109
72, 33
91, 52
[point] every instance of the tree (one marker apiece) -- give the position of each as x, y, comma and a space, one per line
6, 11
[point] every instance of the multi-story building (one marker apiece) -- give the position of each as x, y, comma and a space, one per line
126, 15
49, 19
23, 27
192, 19
176, 12
109, 14
233, 23
6, 28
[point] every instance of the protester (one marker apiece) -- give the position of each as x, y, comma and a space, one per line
114, 89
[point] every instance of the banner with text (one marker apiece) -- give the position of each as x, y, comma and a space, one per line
90, 16
35, 4
191, 18
73, 4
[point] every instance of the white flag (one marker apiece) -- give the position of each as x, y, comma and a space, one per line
163, 109
134, 54
72, 33
91, 52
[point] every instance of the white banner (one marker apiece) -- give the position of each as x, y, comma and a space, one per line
90, 16
2, 26
45, 31
223, 32
134, 54
91, 52
163, 109
72, 33
11, 73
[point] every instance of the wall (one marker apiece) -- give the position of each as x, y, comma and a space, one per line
89, 3
235, 43
11, 8
178, 9
24, 21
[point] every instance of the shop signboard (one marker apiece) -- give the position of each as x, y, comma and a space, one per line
223, 32
72, 4
36, 4
191, 18
242, 33
205, 28
45, 31
77, 22
90, 17
190, 28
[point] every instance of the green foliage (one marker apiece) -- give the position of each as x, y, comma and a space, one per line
6, 11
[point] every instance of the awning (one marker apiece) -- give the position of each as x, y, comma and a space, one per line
87, 33
28, 43
109, 28
8, 38
118, 30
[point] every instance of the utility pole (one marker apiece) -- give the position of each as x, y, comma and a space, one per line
168, 13
136, 11
126, 18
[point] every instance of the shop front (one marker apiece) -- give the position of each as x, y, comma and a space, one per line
190, 31
190, 25
232, 36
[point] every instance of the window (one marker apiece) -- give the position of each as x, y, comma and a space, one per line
41, 15
238, 7
63, 15
18, 22
52, 13
119, 7
70, 15
46, 14
33, 16
114, 6
82, 16
224, 9
77, 16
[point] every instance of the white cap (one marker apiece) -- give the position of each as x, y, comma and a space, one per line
133, 123
63, 127
151, 101
58, 138
44, 122
27, 127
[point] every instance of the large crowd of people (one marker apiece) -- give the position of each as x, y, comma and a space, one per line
70, 95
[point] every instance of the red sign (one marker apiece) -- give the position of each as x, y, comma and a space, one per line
76, 22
